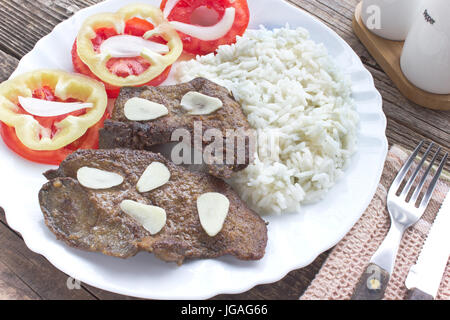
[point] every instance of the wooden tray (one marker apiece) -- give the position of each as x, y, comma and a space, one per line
387, 53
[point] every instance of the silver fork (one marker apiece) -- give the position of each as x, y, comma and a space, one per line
403, 213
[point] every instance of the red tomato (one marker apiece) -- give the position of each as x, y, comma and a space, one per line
137, 27
184, 11
88, 141
123, 67
46, 93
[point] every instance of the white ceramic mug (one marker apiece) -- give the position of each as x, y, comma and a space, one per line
390, 19
425, 58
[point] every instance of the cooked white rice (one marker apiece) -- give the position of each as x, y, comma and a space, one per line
288, 86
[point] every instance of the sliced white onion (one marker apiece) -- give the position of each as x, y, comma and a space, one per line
44, 108
214, 32
128, 46
169, 7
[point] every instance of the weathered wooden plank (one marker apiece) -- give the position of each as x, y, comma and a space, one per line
289, 288
12, 287
336, 14
407, 122
92, 291
337, 20
105, 295
430, 123
298, 278
7, 65
24, 22
33, 269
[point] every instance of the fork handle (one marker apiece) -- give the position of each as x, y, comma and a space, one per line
372, 284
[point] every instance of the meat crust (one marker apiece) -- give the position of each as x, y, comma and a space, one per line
119, 132
92, 219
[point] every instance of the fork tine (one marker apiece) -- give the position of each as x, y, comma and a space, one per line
424, 178
401, 174
416, 171
433, 183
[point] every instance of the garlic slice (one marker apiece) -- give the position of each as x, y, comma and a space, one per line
212, 209
214, 32
153, 177
44, 108
98, 179
196, 103
127, 46
138, 109
152, 218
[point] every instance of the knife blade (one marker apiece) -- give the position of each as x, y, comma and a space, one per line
426, 275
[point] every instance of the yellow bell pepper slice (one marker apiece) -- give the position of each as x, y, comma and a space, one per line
97, 61
65, 85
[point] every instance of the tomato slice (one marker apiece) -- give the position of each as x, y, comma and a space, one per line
88, 141
46, 93
137, 27
122, 67
186, 11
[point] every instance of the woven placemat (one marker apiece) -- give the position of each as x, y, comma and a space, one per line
349, 258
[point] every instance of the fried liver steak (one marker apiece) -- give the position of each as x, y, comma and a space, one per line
92, 219
119, 132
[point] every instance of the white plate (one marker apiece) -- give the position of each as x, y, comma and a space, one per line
295, 240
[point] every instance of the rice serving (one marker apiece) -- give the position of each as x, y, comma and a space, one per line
290, 89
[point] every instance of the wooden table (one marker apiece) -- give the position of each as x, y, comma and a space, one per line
26, 275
